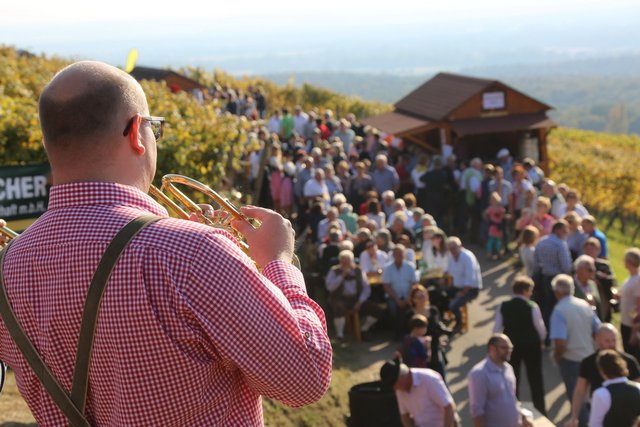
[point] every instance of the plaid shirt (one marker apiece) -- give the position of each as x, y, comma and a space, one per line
189, 332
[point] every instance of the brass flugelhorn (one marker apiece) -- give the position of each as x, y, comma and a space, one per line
7, 234
222, 217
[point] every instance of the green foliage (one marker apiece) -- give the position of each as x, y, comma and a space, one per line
199, 141
602, 167
22, 78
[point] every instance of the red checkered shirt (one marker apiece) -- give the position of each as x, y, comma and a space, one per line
189, 331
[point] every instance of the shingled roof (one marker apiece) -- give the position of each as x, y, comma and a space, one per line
436, 98
158, 74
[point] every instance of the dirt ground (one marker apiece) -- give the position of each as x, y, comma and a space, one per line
467, 349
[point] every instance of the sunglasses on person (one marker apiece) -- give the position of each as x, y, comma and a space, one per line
156, 123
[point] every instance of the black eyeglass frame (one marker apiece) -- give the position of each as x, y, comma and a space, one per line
149, 119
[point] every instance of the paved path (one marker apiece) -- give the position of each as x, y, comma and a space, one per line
469, 348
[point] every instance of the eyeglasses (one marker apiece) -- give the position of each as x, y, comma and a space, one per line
156, 123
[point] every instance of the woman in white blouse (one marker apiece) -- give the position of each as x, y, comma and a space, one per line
436, 254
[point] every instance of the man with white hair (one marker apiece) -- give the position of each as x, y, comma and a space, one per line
506, 162
397, 278
586, 289
399, 206
384, 176
464, 269
349, 293
388, 203
573, 324
316, 188
590, 379
332, 218
345, 134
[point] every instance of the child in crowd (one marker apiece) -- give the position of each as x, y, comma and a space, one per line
528, 241
495, 215
415, 346
286, 189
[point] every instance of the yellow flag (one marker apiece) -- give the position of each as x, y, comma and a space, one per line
131, 60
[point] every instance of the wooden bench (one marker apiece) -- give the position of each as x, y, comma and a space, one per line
448, 315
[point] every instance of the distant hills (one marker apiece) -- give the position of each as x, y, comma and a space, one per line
599, 94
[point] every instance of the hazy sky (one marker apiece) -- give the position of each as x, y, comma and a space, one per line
243, 35
74, 11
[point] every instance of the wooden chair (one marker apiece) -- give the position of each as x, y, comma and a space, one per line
448, 315
353, 324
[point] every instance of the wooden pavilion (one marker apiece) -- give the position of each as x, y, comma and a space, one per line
175, 81
469, 117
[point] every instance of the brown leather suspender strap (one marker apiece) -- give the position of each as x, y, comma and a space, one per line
73, 405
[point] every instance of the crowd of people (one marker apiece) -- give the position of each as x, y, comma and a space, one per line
384, 226
387, 222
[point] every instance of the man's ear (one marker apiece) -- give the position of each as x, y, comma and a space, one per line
135, 141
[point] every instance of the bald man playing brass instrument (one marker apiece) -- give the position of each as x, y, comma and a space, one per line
189, 331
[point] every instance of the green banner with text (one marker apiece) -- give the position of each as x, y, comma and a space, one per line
24, 191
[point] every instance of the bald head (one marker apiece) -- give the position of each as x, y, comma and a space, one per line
88, 101
607, 337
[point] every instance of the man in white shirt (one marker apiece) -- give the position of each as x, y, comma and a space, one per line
300, 119
372, 259
316, 188
423, 397
464, 269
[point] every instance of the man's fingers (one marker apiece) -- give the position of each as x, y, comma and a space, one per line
256, 212
242, 226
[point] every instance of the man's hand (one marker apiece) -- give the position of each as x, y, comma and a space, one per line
273, 240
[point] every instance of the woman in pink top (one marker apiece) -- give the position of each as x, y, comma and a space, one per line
540, 219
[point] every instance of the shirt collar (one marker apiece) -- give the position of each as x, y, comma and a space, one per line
415, 379
101, 194
492, 366
614, 381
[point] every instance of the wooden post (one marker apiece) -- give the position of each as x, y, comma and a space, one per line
543, 152
264, 158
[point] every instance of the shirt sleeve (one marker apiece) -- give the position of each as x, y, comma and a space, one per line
565, 258
469, 270
386, 275
402, 404
262, 324
538, 322
365, 262
595, 323
334, 279
498, 327
366, 288
438, 391
477, 393
558, 326
474, 184
600, 405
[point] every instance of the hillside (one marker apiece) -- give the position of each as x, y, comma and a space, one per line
583, 95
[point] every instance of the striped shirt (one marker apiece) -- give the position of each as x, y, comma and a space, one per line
189, 331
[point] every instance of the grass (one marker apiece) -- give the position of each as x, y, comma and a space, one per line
352, 365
